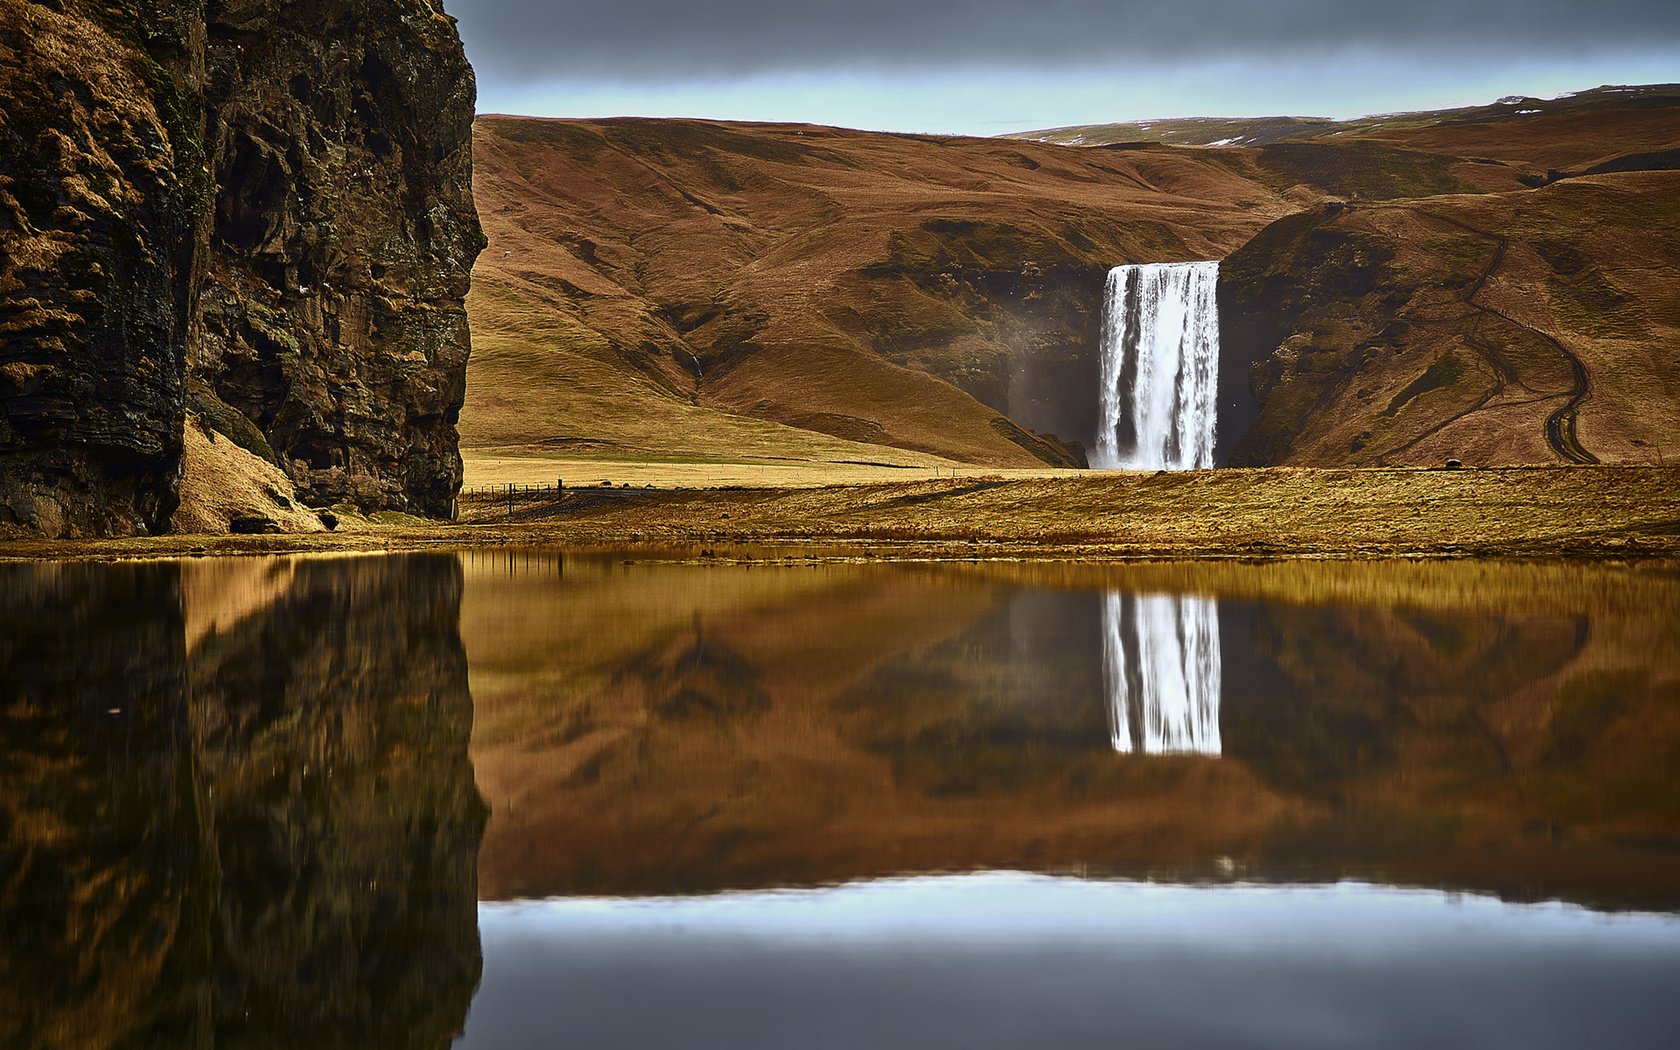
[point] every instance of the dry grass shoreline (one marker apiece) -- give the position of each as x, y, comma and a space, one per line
1617, 513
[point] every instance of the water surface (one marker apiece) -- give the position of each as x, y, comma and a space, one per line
539, 798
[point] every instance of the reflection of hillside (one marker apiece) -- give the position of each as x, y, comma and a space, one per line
731, 727
1557, 588
1331, 691
271, 843
893, 720
1531, 754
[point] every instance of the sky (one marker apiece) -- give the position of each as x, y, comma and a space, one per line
987, 67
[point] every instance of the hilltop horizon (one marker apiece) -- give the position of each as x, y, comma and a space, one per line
982, 68
1051, 131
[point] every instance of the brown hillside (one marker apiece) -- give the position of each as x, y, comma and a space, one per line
1520, 327
1432, 284
697, 288
1572, 132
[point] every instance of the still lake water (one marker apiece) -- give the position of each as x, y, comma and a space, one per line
530, 799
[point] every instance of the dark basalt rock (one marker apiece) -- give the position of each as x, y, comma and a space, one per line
101, 194
253, 525
343, 237
272, 198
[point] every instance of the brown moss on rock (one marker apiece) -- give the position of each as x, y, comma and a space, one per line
272, 197
98, 245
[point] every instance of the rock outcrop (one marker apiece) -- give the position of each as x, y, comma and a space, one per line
234, 208
103, 195
342, 240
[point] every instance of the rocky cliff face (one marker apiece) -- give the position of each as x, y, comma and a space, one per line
241, 204
102, 200
343, 236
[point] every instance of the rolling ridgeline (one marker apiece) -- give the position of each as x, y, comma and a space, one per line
235, 241
1493, 284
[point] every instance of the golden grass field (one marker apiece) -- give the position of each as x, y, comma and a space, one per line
489, 472
1265, 512
1626, 513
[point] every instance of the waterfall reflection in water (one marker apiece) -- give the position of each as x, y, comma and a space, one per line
679, 728
1161, 670
240, 811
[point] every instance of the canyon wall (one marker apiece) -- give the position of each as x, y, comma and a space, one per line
254, 213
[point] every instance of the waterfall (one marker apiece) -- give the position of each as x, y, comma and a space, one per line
1160, 367
1162, 674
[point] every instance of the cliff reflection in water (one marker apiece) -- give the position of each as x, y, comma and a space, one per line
238, 809
676, 728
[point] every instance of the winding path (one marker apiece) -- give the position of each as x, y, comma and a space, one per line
1560, 425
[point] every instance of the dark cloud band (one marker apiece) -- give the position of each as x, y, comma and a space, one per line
662, 41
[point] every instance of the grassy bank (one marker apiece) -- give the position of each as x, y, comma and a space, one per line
1582, 512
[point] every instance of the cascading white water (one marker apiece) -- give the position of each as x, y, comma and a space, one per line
1160, 367
1161, 670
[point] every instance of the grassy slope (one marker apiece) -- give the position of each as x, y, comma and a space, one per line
1463, 334
748, 294
680, 287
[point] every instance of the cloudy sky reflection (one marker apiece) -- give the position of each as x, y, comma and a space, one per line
1007, 959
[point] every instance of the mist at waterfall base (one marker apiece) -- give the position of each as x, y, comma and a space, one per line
1159, 378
